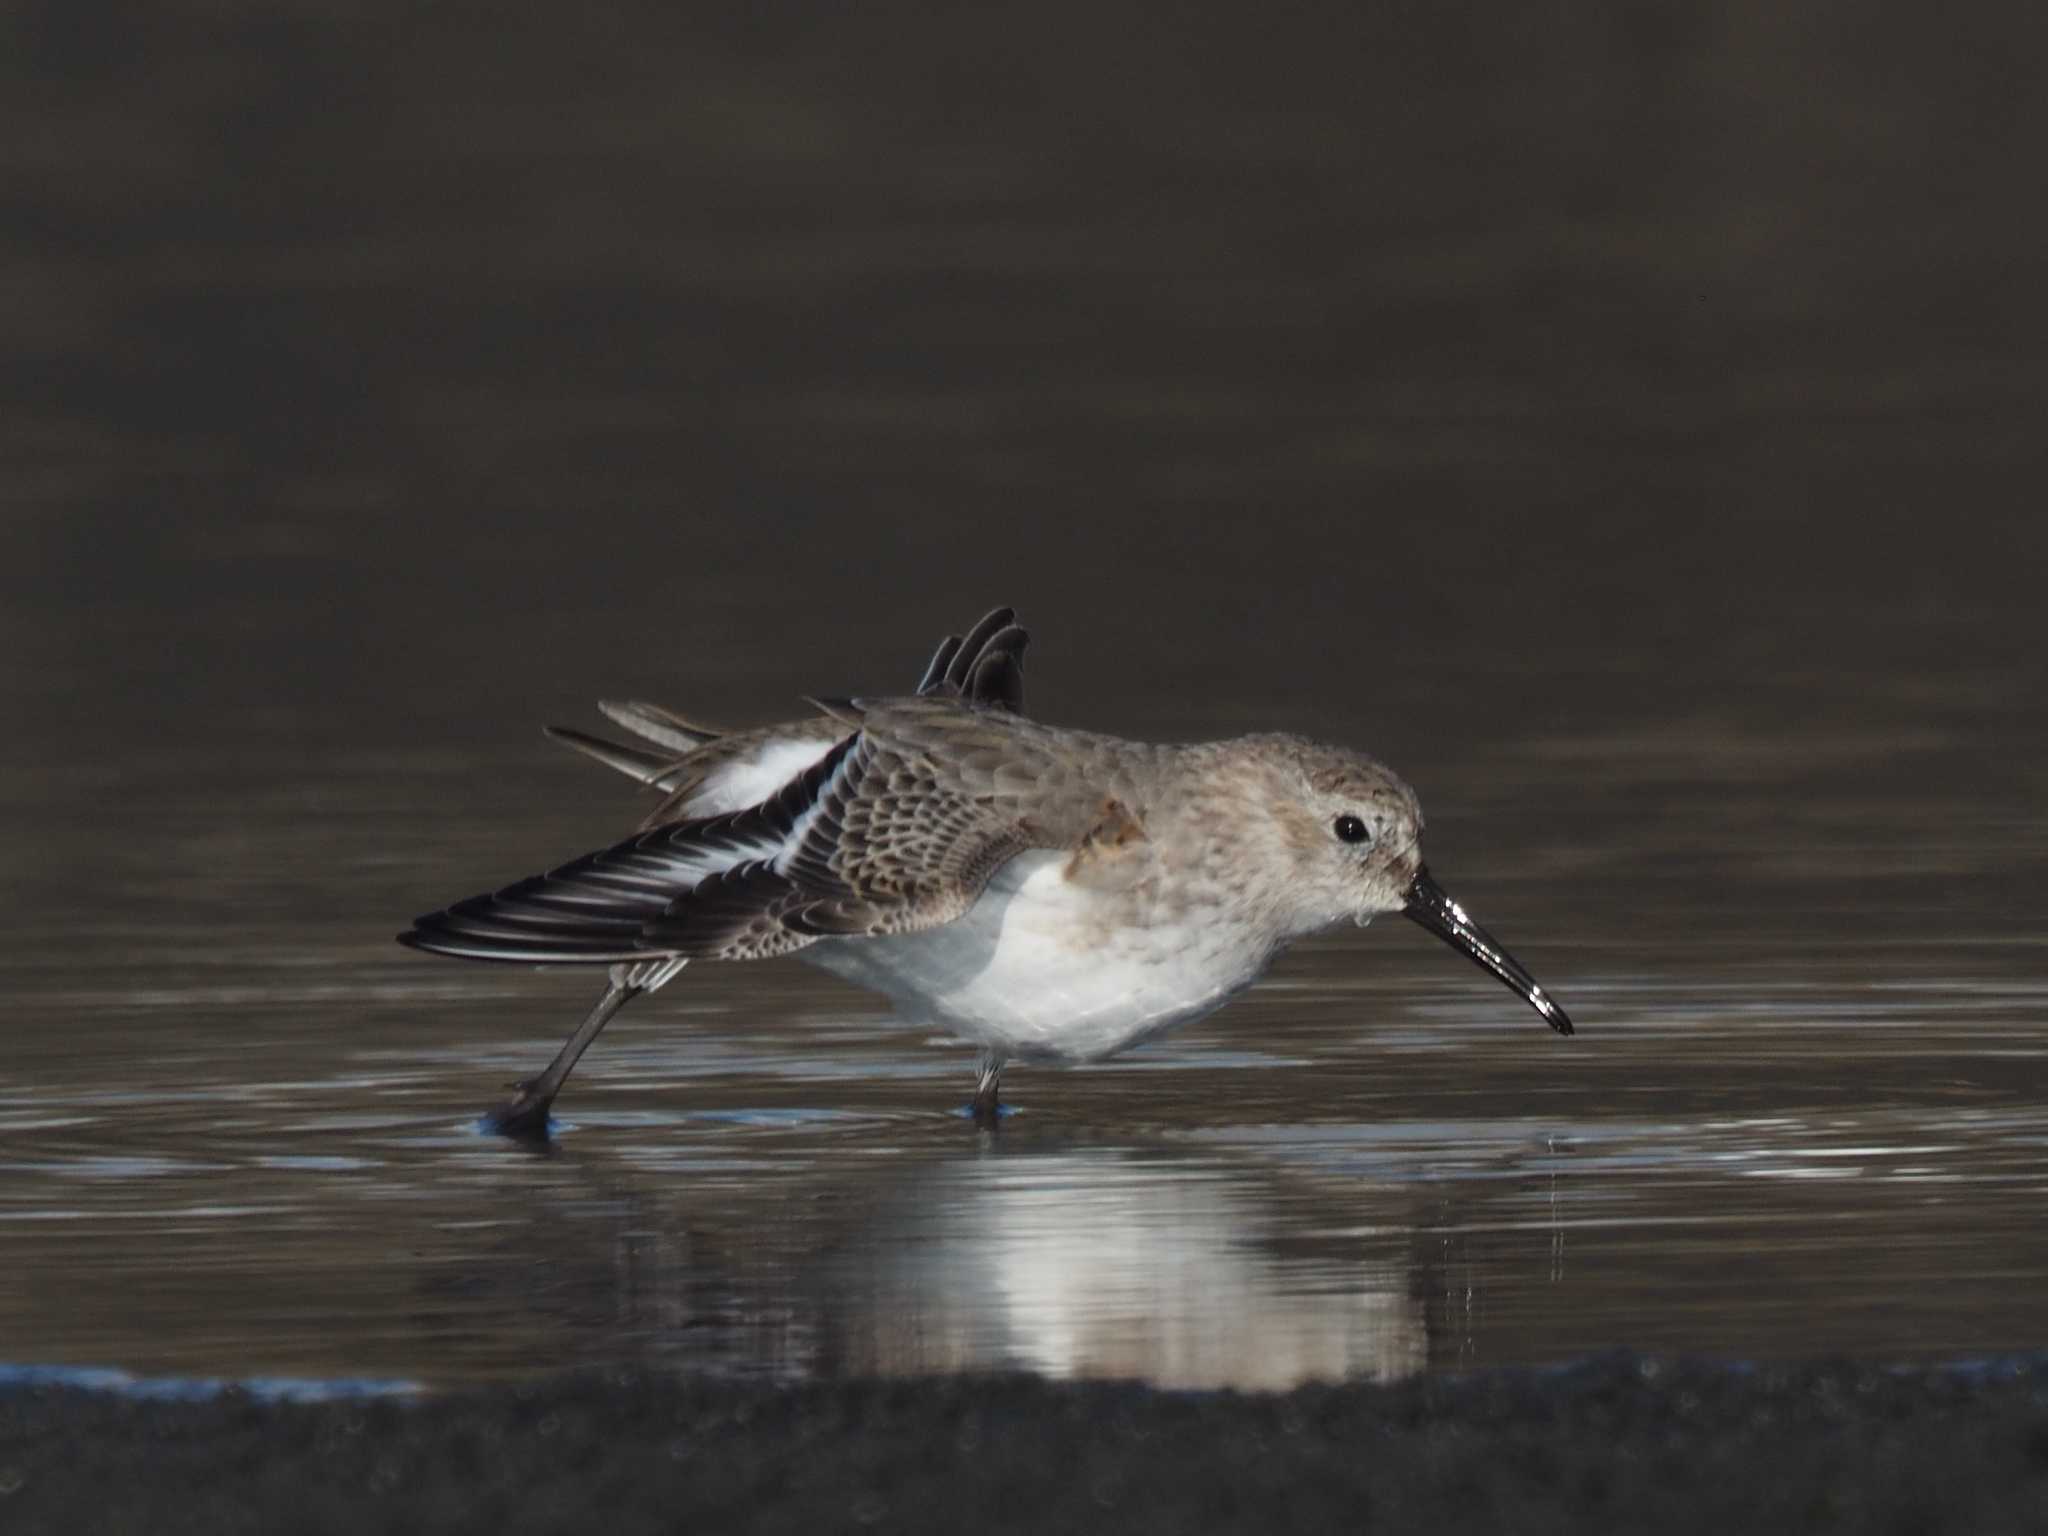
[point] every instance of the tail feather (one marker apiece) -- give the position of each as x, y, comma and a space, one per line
635, 762
663, 727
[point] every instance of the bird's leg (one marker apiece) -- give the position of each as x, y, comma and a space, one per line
985, 1110
525, 1114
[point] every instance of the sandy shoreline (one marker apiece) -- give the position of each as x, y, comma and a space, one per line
1616, 1443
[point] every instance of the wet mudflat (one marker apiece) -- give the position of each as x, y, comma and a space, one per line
1620, 1443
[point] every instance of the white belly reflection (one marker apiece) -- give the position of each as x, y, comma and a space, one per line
1094, 1264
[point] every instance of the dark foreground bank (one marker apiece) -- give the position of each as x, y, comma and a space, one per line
1619, 1443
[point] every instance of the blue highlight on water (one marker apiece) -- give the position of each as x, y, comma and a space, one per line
203, 1389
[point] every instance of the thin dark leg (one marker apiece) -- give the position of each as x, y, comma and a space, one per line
985, 1110
525, 1114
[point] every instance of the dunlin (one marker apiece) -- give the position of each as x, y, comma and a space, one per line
1048, 895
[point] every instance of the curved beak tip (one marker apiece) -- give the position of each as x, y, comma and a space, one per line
1430, 906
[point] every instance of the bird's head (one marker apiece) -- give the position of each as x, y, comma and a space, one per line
1353, 835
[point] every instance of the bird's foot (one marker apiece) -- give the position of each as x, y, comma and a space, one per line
985, 1111
524, 1116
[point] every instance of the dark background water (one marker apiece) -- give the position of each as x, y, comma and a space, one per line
1627, 425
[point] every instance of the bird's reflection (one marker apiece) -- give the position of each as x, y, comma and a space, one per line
1191, 1268
1103, 1263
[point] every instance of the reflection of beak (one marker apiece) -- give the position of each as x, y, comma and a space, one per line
1430, 906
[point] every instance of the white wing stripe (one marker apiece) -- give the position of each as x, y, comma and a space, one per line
841, 775
745, 782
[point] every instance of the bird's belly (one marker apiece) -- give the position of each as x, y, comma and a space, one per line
1044, 969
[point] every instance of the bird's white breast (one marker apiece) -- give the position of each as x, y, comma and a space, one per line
1043, 967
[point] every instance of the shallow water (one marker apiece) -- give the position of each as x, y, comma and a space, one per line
1675, 531
1773, 1136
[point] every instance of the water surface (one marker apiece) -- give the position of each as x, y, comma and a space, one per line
1775, 1135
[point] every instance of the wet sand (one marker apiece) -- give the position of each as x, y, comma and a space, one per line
1619, 1443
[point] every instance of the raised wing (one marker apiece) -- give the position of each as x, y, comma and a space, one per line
897, 827
987, 667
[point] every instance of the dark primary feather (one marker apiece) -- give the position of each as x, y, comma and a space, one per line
996, 633
599, 907
997, 678
985, 668
935, 669
990, 624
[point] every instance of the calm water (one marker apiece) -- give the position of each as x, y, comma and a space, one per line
1560, 416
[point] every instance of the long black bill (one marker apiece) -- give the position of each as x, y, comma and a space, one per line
1430, 906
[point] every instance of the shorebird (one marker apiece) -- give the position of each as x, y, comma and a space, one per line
1048, 895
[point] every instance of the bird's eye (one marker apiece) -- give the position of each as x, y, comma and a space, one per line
1352, 830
